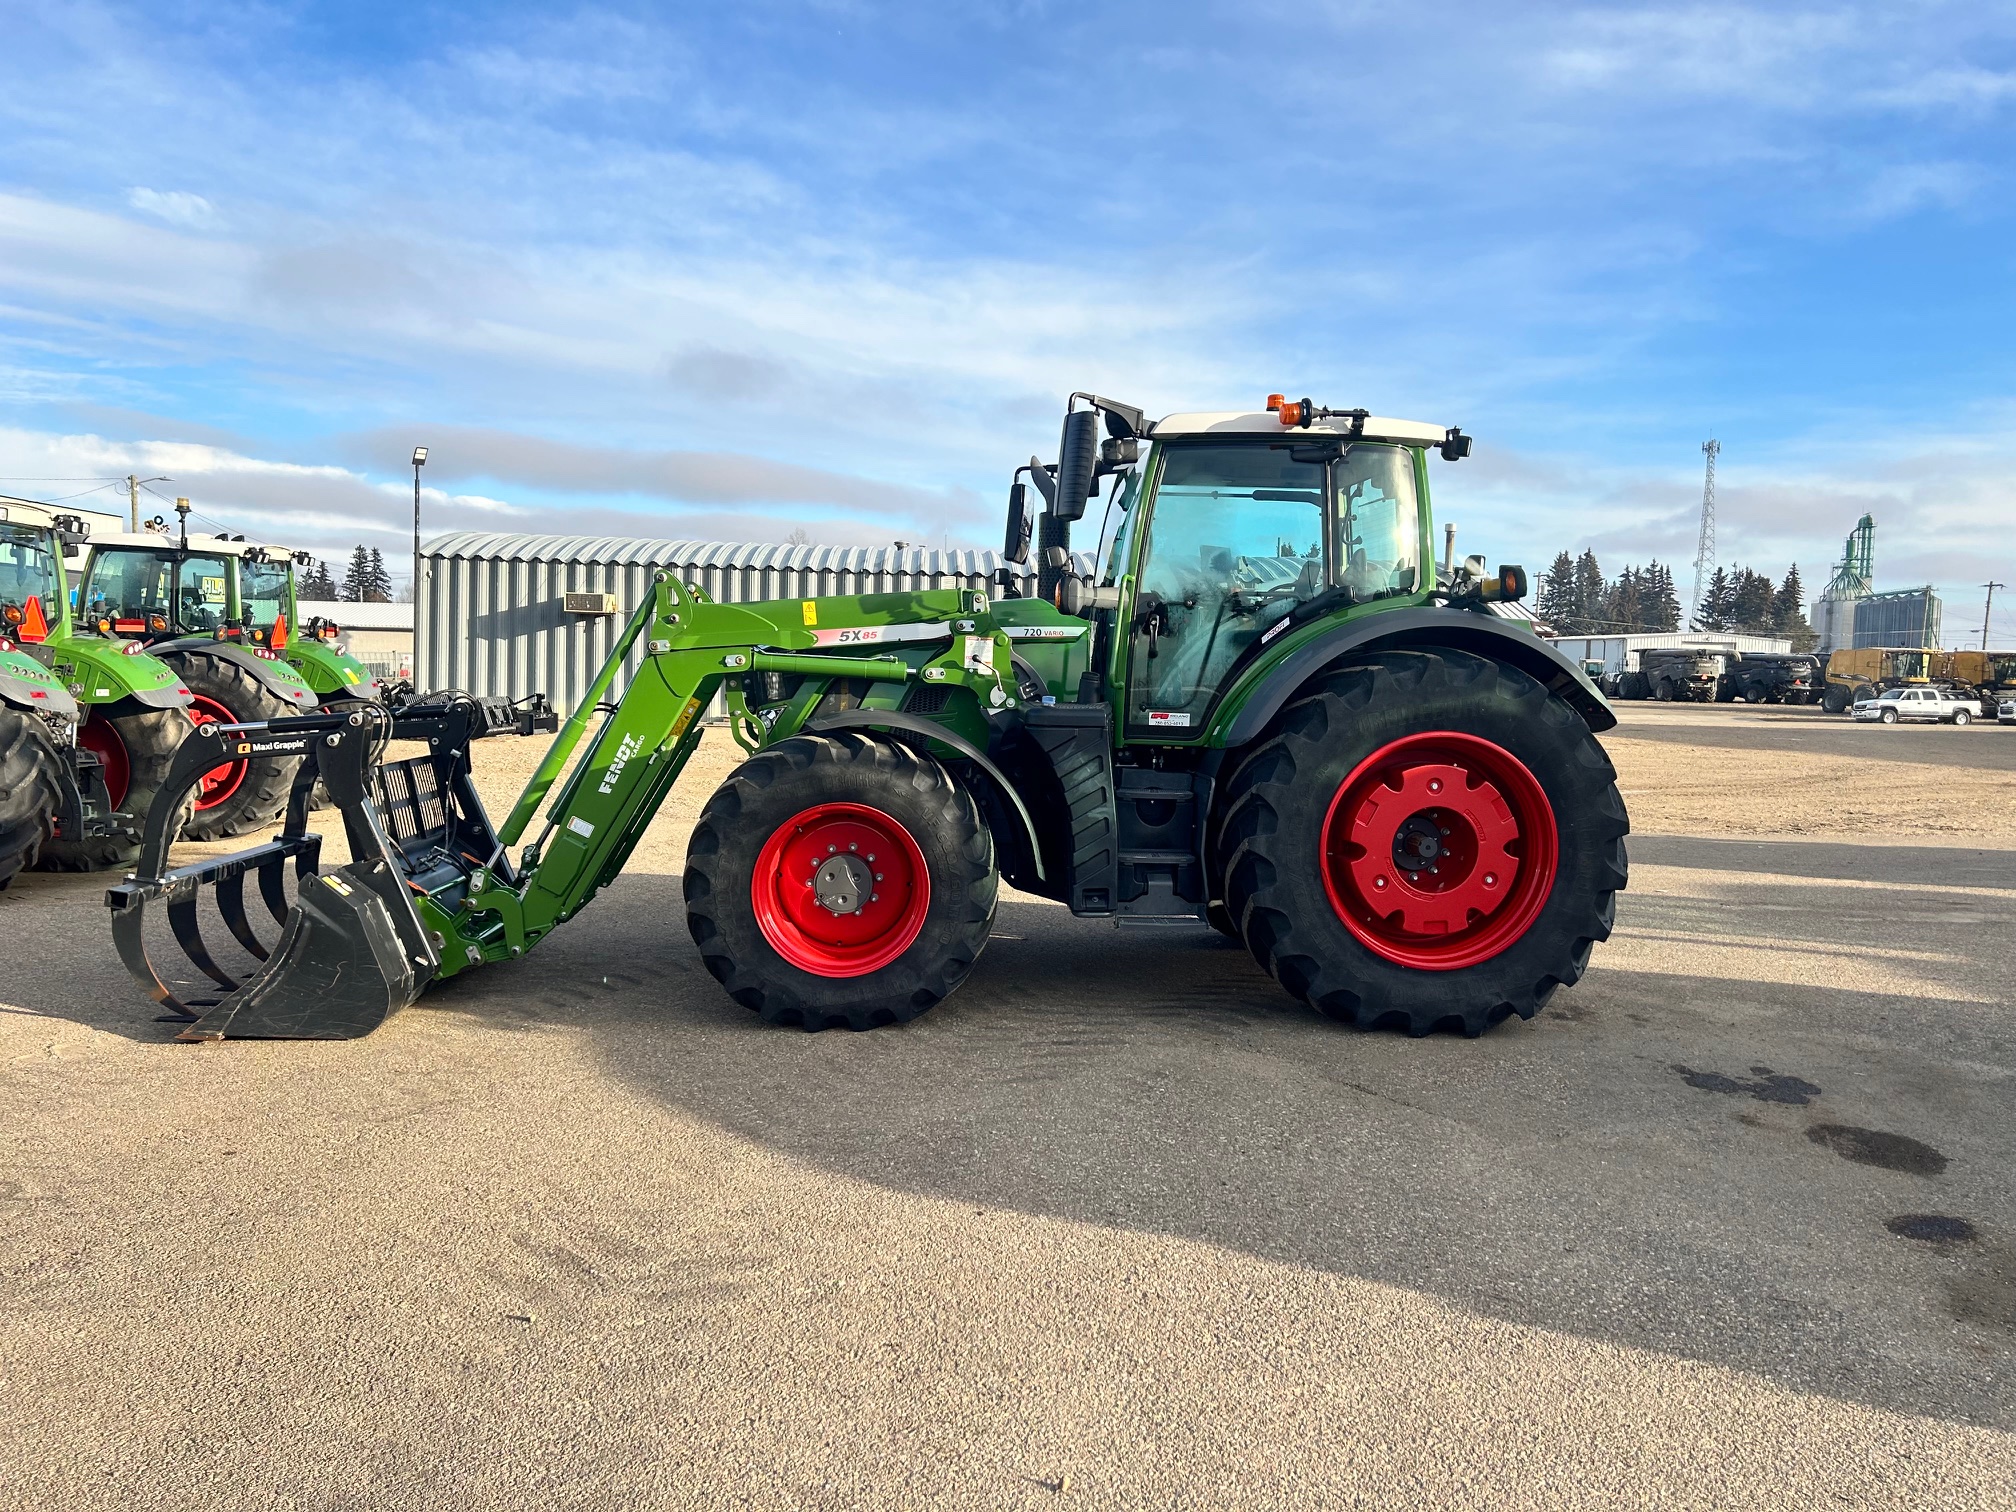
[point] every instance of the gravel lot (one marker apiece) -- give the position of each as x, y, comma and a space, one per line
1731, 1224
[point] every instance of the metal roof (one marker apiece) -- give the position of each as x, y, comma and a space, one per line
483, 545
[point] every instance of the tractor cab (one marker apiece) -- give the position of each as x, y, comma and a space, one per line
1237, 537
160, 589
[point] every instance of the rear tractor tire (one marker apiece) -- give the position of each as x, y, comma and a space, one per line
135, 750
30, 791
840, 881
239, 795
1428, 840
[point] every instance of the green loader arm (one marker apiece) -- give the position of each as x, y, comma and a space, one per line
431, 889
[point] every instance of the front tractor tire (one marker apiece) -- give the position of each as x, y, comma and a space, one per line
840, 881
238, 795
1428, 840
134, 751
30, 790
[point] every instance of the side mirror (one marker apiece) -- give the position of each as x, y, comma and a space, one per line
1455, 445
1015, 548
1077, 464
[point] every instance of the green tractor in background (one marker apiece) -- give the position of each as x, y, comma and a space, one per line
224, 614
1270, 714
88, 723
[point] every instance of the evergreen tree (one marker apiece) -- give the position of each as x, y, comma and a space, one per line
357, 577
1751, 601
1555, 600
1788, 613
1623, 605
379, 590
1662, 615
1588, 606
316, 583
1714, 613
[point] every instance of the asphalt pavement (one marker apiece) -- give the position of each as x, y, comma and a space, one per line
1731, 1224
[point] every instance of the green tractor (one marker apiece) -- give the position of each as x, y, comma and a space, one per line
88, 723
224, 614
1269, 714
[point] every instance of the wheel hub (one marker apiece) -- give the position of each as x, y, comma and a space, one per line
1438, 850
844, 884
840, 889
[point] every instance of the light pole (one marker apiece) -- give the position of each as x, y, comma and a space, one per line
419, 461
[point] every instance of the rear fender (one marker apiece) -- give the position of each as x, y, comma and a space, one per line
274, 675
1418, 630
103, 671
332, 674
27, 685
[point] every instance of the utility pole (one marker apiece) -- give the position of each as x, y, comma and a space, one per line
133, 487
1704, 552
1985, 608
419, 461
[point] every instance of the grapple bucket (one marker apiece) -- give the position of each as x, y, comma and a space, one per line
351, 949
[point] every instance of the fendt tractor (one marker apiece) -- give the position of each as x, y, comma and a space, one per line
88, 723
224, 615
1269, 714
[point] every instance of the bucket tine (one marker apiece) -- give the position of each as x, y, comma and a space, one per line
271, 890
182, 919
231, 904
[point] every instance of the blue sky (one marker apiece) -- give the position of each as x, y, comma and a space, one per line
726, 271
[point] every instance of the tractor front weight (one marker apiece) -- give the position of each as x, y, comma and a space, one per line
431, 889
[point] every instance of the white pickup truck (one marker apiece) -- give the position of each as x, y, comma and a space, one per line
1932, 705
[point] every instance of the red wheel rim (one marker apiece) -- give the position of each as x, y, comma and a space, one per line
220, 782
1439, 851
830, 852
97, 736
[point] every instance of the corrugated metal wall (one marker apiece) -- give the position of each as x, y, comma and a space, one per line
491, 622
1906, 618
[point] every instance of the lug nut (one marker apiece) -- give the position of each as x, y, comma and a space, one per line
1490, 879
1434, 784
1378, 881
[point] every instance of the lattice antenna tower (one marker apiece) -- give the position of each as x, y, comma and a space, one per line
1704, 551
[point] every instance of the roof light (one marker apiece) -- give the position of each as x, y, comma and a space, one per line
1274, 402
1291, 414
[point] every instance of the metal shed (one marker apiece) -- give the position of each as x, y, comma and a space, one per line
493, 617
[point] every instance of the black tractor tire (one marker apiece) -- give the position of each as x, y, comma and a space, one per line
1278, 812
1836, 698
261, 793
1663, 691
151, 737
755, 809
31, 790
1635, 685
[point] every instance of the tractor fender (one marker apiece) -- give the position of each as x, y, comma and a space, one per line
1421, 629
290, 686
916, 724
25, 686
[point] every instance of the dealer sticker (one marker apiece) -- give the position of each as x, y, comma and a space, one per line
1168, 719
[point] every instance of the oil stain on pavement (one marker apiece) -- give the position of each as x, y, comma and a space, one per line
1764, 1084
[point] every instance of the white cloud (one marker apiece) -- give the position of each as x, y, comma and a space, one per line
176, 206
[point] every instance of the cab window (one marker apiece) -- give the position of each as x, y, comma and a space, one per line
262, 591
127, 585
203, 593
27, 569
